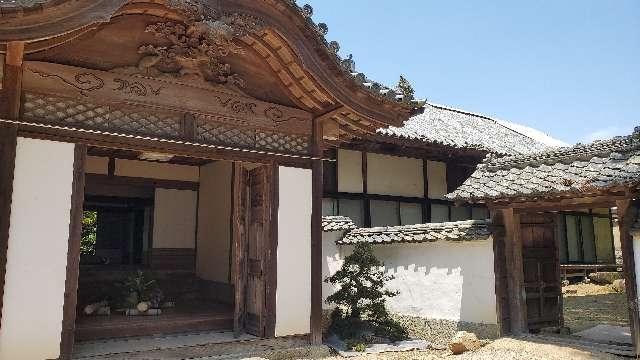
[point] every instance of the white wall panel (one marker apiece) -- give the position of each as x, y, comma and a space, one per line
349, 171
293, 294
394, 175
214, 222
37, 251
156, 170
174, 219
437, 178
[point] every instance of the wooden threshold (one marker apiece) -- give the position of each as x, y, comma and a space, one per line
219, 317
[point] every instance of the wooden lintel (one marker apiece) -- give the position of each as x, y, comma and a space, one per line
626, 216
578, 202
12, 80
515, 272
177, 148
316, 235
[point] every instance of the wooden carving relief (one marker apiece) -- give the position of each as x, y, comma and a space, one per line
195, 50
208, 102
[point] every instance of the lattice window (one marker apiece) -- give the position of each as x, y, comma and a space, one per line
71, 112
221, 134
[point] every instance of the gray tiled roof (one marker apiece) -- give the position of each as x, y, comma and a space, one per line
337, 223
449, 231
578, 169
460, 129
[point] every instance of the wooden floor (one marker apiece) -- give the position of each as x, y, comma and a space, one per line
190, 319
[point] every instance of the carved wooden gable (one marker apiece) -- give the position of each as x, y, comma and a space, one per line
243, 74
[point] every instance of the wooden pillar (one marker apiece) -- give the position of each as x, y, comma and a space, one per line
515, 274
12, 81
8, 142
626, 216
73, 254
316, 233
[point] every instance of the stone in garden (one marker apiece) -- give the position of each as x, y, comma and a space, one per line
618, 285
464, 341
603, 278
143, 306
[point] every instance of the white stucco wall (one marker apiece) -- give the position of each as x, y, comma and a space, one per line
350, 171
437, 175
97, 165
37, 251
394, 175
156, 170
214, 222
174, 219
441, 280
636, 258
293, 294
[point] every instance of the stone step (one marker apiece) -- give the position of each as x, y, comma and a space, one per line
280, 348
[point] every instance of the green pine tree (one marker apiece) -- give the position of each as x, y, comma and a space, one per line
404, 87
361, 298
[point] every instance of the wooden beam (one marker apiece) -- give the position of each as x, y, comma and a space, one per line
239, 183
199, 151
316, 234
581, 201
500, 273
272, 256
515, 274
73, 254
12, 80
626, 216
8, 142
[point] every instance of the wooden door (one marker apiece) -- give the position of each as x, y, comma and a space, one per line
541, 268
252, 220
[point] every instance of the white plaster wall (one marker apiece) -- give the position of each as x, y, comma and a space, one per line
97, 165
332, 261
441, 280
174, 219
37, 251
293, 295
636, 258
214, 222
156, 170
394, 175
350, 171
437, 177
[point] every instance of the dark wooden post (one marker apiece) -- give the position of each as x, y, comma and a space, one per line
626, 215
73, 254
12, 80
316, 233
515, 274
8, 141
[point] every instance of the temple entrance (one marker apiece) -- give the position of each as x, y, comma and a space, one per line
592, 309
173, 245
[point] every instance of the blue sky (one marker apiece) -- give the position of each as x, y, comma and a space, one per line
569, 68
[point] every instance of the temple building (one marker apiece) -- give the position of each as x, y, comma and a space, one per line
182, 166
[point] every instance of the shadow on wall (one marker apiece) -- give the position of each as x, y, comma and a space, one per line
442, 280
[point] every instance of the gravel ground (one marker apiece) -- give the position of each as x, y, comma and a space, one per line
501, 349
593, 304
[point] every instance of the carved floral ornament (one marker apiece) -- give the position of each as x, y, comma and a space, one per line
195, 50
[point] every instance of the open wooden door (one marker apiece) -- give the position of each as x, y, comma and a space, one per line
252, 230
541, 271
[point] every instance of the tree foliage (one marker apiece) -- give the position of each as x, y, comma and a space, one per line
361, 298
404, 87
89, 230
